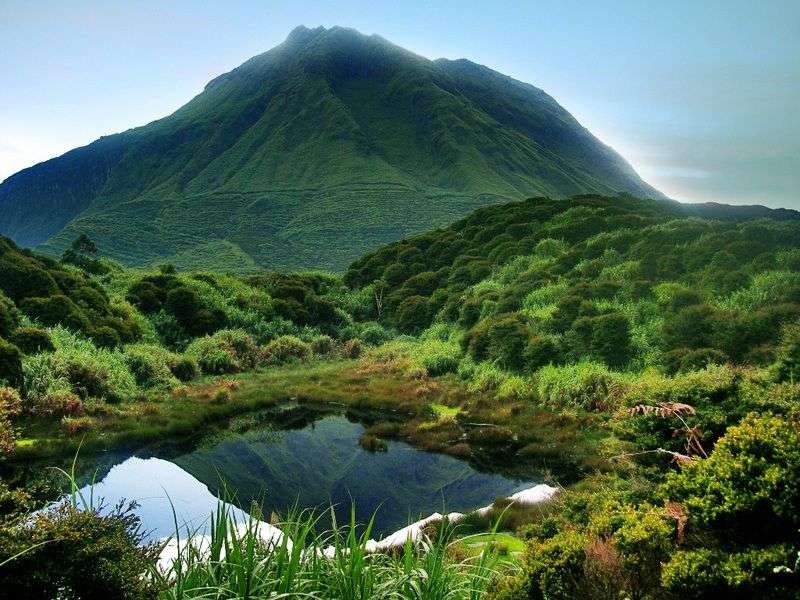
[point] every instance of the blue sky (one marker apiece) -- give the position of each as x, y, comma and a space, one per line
702, 97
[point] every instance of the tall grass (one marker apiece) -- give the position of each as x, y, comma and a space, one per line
236, 560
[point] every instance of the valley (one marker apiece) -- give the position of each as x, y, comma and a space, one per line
622, 349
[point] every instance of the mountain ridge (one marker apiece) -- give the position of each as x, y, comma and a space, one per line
308, 155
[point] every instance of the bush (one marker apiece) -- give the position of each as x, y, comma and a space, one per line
9, 317
587, 385
373, 333
540, 351
352, 349
286, 348
685, 359
185, 368
502, 339
69, 553
150, 365
412, 314
227, 351
322, 345
749, 483
56, 403
55, 310
438, 357
31, 340
787, 366
10, 364
104, 337
10, 406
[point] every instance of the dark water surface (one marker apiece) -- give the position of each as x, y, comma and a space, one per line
314, 466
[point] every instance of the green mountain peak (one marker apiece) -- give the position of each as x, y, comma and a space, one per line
310, 154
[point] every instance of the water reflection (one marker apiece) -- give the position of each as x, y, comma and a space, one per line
315, 466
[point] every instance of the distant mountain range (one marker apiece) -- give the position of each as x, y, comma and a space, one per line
310, 154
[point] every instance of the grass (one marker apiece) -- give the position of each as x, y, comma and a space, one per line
502, 542
238, 561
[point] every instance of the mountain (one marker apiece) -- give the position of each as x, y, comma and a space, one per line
328, 145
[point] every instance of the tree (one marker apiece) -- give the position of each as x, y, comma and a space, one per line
82, 253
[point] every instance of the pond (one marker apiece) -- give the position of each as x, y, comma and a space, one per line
317, 465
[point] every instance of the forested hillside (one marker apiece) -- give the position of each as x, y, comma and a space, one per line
626, 282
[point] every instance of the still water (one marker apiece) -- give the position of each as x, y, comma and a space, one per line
318, 465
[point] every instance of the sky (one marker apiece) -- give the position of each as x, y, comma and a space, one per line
701, 98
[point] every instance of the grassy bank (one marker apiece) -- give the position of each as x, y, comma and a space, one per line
392, 399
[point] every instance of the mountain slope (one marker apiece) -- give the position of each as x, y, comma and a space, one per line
326, 146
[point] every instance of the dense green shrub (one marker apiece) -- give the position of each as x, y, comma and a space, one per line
31, 340
503, 339
151, 365
787, 366
749, 483
413, 314
685, 359
55, 310
70, 553
105, 337
226, 351
322, 345
185, 368
9, 317
10, 364
286, 348
744, 500
21, 277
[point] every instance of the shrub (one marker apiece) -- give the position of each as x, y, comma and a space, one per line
412, 315
10, 364
749, 483
787, 366
222, 395
150, 365
373, 333
540, 351
502, 339
10, 406
437, 357
76, 425
104, 337
9, 316
55, 310
70, 553
31, 340
322, 345
352, 348
227, 351
56, 403
185, 368
586, 384
685, 359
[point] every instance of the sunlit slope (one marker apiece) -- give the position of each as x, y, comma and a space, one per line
324, 147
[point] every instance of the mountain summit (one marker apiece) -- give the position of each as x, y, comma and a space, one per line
310, 154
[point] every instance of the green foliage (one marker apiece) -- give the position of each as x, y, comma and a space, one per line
71, 553
10, 364
286, 348
9, 316
31, 340
787, 366
749, 484
627, 282
10, 407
